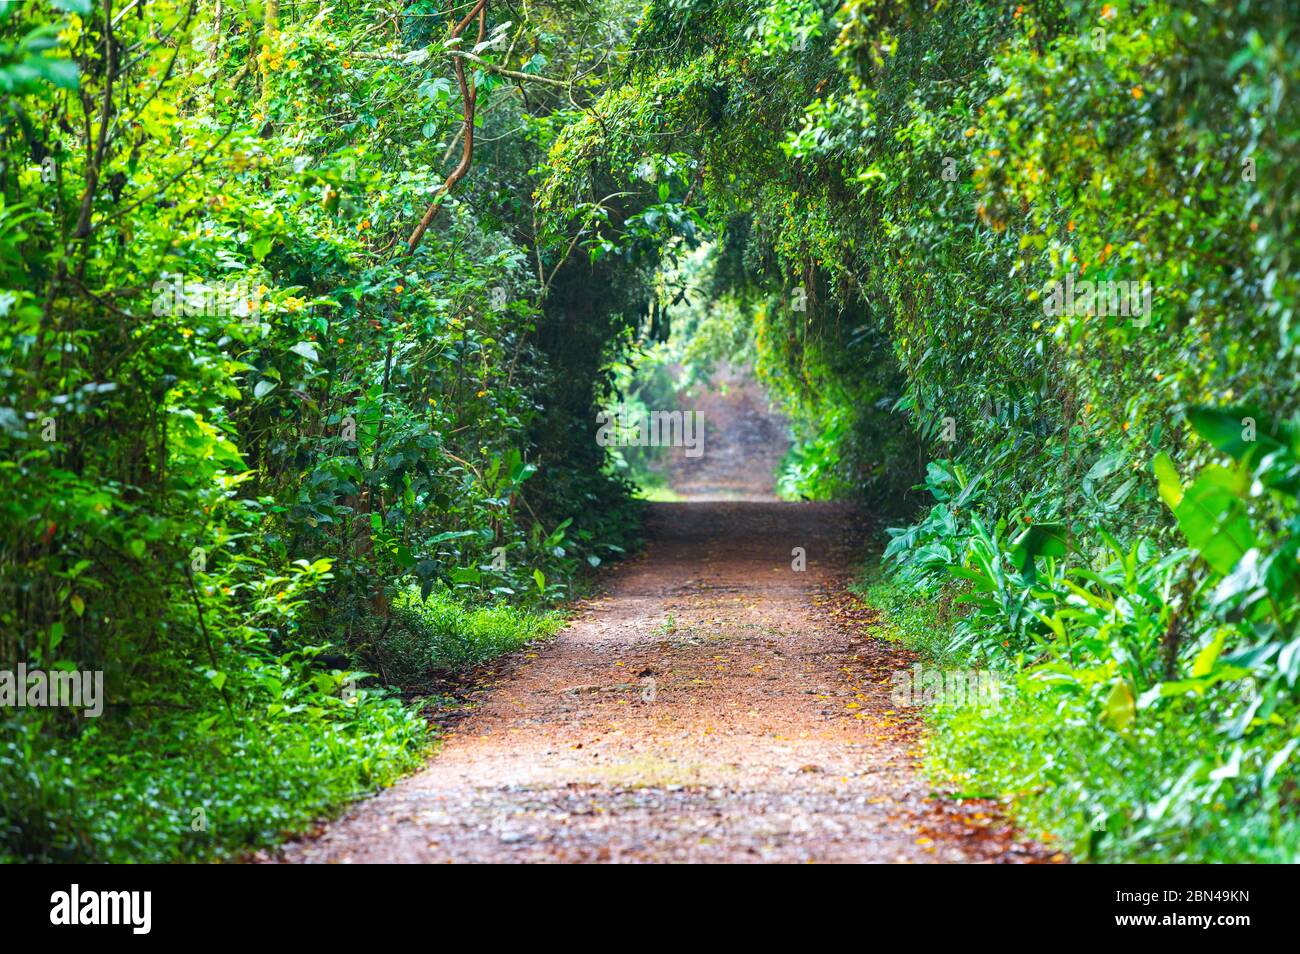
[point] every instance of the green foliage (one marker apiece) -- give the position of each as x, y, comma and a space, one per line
437, 636
1158, 692
186, 787
924, 626
1159, 792
239, 423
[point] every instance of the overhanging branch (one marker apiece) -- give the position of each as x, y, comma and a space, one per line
468, 96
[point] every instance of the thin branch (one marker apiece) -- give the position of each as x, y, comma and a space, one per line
468, 97
513, 74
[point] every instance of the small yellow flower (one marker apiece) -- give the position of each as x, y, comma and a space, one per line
1137, 92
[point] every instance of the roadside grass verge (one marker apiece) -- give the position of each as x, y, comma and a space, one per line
1050, 751
187, 780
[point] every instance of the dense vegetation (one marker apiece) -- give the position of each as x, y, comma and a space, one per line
241, 500
245, 431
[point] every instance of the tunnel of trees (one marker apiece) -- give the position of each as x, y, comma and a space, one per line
308, 310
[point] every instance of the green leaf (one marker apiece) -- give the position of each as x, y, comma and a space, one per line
1213, 517
62, 73
540, 579
1227, 428
1207, 657
1167, 480
465, 574
449, 535
1106, 465
307, 350
78, 604
1120, 709
1040, 539
1278, 760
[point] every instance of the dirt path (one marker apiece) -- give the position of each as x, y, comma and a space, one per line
715, 704
744, 441
705, 709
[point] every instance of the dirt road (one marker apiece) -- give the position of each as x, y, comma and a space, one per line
715, 704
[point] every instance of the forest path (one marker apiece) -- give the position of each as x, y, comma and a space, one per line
713, 705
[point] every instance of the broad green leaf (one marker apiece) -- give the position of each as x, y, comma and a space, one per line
1040, 539
465, 574
1120, 709
1168, 482
1213, 517
1235, 431
1207, 657
307, 350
